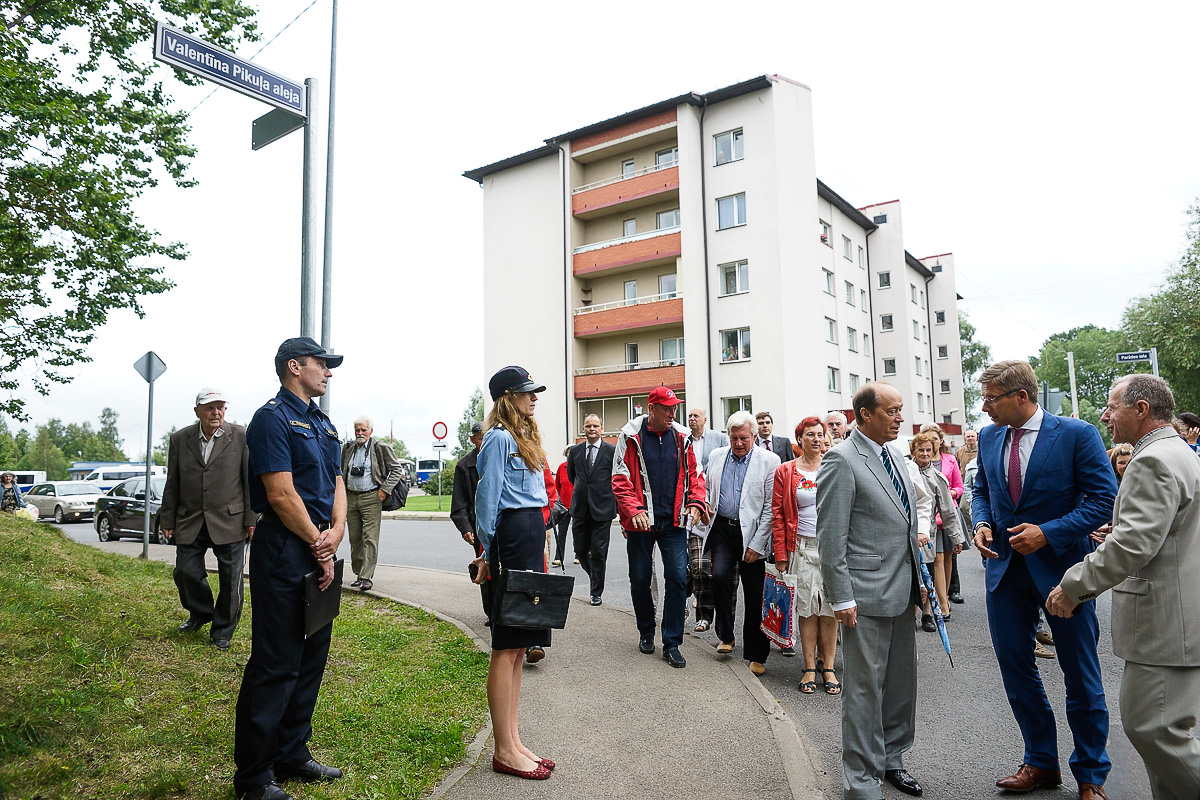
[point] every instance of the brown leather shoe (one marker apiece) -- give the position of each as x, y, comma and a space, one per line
1028, 778
1090, 791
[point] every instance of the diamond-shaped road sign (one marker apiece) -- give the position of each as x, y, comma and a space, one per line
150, 366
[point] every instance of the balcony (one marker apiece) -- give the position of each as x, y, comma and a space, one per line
622, 379
642, 313
625, 192
642, 250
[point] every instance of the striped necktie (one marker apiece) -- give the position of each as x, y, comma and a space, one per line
899, 487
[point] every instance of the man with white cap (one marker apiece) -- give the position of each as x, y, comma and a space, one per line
206, 506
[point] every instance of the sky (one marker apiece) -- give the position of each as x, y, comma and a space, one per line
1050, 147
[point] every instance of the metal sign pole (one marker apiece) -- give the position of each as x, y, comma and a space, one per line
1074, 394
439, 480
146, 501
308, 263
327, 261
1154, 360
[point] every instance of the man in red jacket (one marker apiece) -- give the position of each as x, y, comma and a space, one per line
658, 492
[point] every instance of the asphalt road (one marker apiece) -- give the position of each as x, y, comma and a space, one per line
966, 736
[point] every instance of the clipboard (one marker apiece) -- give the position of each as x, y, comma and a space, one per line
320, 607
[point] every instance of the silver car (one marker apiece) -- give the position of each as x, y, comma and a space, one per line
64, 501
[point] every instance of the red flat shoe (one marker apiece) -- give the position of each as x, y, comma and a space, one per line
538, 774
547, 763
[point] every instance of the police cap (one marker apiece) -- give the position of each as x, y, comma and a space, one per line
301, 346
513, 379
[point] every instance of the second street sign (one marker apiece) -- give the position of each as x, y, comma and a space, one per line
190, 54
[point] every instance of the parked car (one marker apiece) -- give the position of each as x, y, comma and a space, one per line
64, 501
120, 513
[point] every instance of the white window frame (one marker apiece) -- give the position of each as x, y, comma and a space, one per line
673, 293
739, 269
632, 347
846, 251
826, 234
831, 379
849, 293
831, 331
658, 219
866, 344
884, 279
628, 286
917, 360
886, 323
892, 362
743, 343
939, 318
744, 403
659, 161
862, 298
944, 387
920, 402
862, 263
678, 358
737, 146
912, 291
739, 210
943, 351
854, 382
851, 339
922, 300
627, 168
916, 330
629, 227
829, 282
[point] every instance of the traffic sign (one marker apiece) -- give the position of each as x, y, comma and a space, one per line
440, 445
191, 54
1136, 355
441, 435
150, 366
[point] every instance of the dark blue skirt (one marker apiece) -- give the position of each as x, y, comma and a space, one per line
519, 543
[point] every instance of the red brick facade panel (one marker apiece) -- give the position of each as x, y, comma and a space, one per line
628, 254
629, 382
664, 180
625, 318
621, 131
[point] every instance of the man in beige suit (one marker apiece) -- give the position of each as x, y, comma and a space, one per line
206, 505
1150, 561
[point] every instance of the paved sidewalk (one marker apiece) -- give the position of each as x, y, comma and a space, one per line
617, 723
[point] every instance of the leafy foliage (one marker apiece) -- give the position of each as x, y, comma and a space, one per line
54, 446
1096, 364
975, 358
431, 486
83, 131
471, 414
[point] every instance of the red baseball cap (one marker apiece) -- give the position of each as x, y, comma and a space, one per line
663, 396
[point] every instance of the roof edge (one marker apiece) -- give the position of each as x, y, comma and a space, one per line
915, 263
536, 154
839, 202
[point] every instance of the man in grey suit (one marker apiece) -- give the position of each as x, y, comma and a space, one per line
867, 540
206, 505
703, 441
1150, 560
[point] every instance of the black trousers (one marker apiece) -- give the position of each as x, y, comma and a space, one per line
591, 548
195, 595
955, 587
560, 539
283, 675
724, 546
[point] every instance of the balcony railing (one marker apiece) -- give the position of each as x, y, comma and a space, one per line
637, 237
635, 301
625, 177
669, 362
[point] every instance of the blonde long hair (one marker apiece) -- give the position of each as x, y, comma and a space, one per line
524, 429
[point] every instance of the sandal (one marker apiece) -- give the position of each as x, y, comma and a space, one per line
702, 626
808, 687
832, 688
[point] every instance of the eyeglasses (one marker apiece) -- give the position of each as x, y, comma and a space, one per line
990, 400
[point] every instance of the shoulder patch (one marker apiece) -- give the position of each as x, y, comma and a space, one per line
300, 424
270, 402
331, 432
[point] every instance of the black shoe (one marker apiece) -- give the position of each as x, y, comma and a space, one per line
927, 623
366, 585
192, 625
596, 600
903, 781
674, 657
268, 791
357, 583
534, 654
955, 597
221, 644
309, 772
646, 644
790, 652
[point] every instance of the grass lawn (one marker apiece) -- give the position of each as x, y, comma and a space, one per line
427, 502
104, 699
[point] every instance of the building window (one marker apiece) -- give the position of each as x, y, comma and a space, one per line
912, 291
729, 146
920, 402
849, 293
670, 351
862, 299
631, 290
846, 248
613, 412
832, 377
943, 351
916, 330
862, 263
667, 219
731, 211
889, 366
879, 219
826, 233
885, 280
828, 281
945, 387
627, 169
917, 359
732, 405
885, 323
922, 299
665, 158
735, 345
924, 334
852, 340
853, 382
866, 344
830, 331
735, 278
666, 286
629, 227
939, 318
631, 355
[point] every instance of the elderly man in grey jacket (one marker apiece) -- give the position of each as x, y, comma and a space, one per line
371, 470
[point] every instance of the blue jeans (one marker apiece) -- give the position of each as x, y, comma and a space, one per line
672, 543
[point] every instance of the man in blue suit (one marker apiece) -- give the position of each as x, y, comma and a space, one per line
1044, 483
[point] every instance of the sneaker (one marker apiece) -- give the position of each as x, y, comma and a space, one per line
1041, 651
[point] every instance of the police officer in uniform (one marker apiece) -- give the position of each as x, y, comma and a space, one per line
296, 484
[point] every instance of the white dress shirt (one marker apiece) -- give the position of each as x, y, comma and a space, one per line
1025, 446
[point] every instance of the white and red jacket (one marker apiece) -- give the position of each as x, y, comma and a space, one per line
631, 484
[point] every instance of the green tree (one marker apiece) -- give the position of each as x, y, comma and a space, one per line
44, 454
10, 453
431, 486
1169, 319
1096, 364
164, 448
398, 447
1088, 413
471, 414
84, 131
976, 356
109, 437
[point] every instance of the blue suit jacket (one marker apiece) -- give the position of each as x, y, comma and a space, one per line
1068, 490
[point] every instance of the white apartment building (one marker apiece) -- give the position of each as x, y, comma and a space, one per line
689, 244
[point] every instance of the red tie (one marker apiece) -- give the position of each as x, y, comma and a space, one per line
1014, 466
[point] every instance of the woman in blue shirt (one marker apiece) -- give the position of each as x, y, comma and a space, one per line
512, 532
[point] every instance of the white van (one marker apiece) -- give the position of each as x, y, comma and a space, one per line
26, 478
110, 476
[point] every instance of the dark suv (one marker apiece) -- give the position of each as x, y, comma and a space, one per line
120, 513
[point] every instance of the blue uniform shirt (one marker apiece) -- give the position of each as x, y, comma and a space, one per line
733, 477
286, 435
505, 481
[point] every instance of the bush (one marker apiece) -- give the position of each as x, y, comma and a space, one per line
431, 486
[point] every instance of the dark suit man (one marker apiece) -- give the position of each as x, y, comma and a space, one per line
779, 445
867, 526
462, 506
593, 506
206, 506
1044, 483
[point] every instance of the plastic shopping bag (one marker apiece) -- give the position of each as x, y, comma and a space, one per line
779, 607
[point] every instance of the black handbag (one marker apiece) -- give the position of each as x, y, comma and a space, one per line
397, 497
533, 600
557, 512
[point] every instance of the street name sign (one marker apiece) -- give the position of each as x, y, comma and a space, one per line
203, 59
1136, 355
